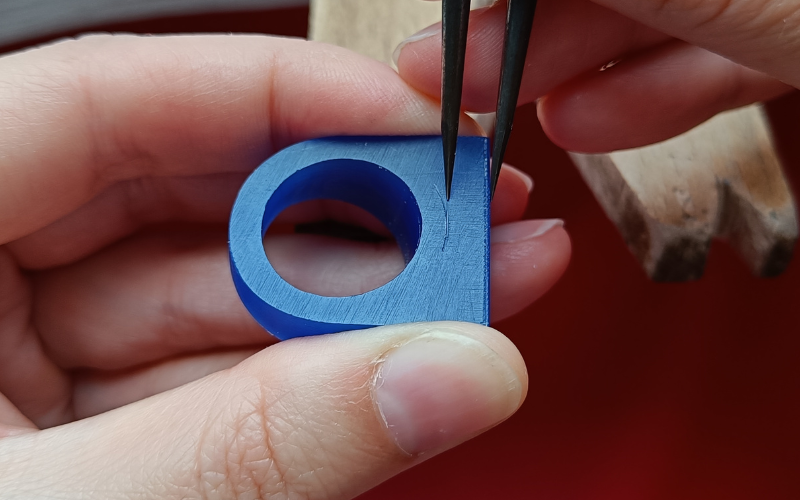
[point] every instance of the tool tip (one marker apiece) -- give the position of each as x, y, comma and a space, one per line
496, 164
449, 141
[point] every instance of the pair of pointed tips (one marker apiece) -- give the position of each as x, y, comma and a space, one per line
455, 24
449, 169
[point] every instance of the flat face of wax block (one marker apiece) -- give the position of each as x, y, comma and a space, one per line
400, 180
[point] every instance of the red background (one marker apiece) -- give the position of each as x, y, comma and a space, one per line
638, 390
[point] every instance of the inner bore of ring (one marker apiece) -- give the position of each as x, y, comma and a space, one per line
363, 184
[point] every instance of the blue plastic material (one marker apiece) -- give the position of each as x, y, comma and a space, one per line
400, 180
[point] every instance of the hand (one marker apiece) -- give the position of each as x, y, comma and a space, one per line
616, 74
120, 158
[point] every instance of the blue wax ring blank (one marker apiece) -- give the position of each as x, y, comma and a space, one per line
400, 180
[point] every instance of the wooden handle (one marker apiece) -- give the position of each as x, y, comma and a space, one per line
723, 178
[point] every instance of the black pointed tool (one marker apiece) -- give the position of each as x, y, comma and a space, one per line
515, 50
455, 23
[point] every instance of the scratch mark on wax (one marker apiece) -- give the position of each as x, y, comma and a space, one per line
446, 217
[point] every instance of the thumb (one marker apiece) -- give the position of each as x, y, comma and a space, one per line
761, 34
326, 417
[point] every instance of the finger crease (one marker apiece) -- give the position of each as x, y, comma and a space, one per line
280, 472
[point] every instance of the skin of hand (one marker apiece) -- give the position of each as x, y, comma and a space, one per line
128, 366
617, 74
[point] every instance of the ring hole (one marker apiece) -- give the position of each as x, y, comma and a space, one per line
332, 248
341, 228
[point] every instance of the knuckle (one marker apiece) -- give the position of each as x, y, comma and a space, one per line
83, 72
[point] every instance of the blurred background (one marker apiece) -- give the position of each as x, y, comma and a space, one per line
638, 391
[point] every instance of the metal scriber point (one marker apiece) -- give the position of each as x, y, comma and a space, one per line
455, 23
515, 50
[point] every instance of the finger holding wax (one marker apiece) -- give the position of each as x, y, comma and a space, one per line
393, 397
763, 35
602, 69
114, 270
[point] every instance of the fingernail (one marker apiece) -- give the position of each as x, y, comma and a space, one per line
434, 29
524, 230
527, 179
441, 389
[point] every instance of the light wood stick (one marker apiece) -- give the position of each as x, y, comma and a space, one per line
723, 179
372, 28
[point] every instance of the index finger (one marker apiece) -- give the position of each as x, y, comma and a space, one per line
760, 34
80, 115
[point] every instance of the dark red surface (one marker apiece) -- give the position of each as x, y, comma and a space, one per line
638, 391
